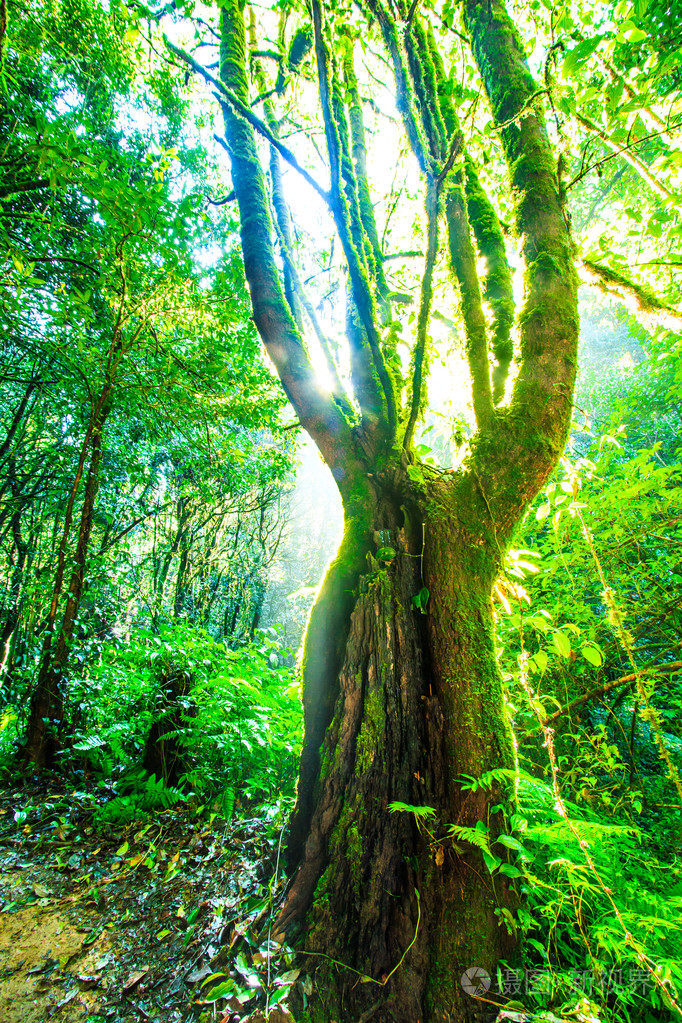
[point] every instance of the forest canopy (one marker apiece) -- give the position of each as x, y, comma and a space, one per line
407, 273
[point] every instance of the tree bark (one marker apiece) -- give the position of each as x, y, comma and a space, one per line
419, 707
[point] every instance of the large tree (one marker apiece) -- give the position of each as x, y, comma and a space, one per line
402, 695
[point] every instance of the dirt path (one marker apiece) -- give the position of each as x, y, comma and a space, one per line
164, 918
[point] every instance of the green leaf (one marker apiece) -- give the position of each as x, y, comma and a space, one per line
491, 861
418, 811
630, 33
592, 654
213, 994
510, 842
562, 643
540, 659
509, 870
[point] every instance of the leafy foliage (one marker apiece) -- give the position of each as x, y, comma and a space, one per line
239, 727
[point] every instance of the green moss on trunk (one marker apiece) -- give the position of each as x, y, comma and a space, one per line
419, 704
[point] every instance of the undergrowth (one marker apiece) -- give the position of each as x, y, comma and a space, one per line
227, 735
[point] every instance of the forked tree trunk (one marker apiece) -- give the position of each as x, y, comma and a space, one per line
400, 706
419, 706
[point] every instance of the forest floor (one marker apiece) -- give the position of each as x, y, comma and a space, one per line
164, 920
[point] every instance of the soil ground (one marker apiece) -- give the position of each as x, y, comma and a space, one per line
163, 918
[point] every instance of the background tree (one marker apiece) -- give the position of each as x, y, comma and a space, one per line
104, 305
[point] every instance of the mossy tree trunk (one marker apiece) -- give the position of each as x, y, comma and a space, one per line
418, 711
402, 700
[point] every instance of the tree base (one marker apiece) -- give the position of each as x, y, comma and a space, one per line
393, 910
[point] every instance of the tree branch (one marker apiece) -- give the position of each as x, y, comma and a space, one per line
245, 111
533, 430
626, 152
424, 310
637, 298
354, 252
319, 415
600, 690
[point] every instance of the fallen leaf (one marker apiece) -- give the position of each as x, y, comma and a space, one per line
197, 975
69, 998
133, 981
88, 981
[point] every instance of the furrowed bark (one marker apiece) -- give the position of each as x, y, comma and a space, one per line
419, 705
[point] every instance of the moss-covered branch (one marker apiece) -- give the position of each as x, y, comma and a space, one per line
376, 395
533, 431
419, 352
446, 143
639, 300
497, 283
242, 107
618, 149
276, 326
293, 288
404, 92
463, 262
359, 152
279, 203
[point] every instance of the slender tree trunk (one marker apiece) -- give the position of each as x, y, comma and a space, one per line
21, 548
419, 708
46, 724
182, 581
